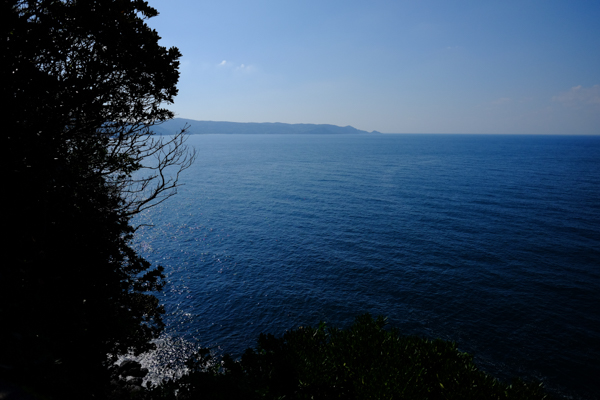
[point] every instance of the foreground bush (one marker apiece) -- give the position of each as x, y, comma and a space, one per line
364, 361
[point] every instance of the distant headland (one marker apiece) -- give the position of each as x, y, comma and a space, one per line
221, 127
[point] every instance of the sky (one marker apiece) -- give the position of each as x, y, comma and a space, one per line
438, 66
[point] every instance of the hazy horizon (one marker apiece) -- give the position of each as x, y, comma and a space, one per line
389, 66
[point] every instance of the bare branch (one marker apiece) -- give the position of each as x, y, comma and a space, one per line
158, 162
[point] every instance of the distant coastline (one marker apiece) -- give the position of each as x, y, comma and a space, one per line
221, 127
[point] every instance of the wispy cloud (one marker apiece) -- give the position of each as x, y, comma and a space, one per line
245, 68
579, 95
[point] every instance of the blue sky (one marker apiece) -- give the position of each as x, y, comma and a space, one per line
416, 66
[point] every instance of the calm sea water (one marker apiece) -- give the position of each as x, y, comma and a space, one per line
490, 241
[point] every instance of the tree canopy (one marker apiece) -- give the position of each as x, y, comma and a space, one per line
364, 361
83, 82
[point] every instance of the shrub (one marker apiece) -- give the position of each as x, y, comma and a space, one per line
365, 361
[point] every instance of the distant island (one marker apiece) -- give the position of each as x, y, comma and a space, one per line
220, 127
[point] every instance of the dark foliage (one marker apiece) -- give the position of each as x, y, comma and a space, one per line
365, 361
82, 84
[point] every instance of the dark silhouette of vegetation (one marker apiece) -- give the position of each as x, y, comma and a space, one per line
365, 361
83, 82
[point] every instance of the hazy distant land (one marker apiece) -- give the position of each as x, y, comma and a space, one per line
203, 127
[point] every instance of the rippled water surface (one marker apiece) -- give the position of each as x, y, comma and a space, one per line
489, 241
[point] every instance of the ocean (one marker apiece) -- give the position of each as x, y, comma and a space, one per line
491, 241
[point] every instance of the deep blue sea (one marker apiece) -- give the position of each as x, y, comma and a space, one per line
491, 241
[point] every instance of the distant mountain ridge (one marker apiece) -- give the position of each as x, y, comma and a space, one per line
221, 127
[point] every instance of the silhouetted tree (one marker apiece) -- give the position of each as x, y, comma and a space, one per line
83, 82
